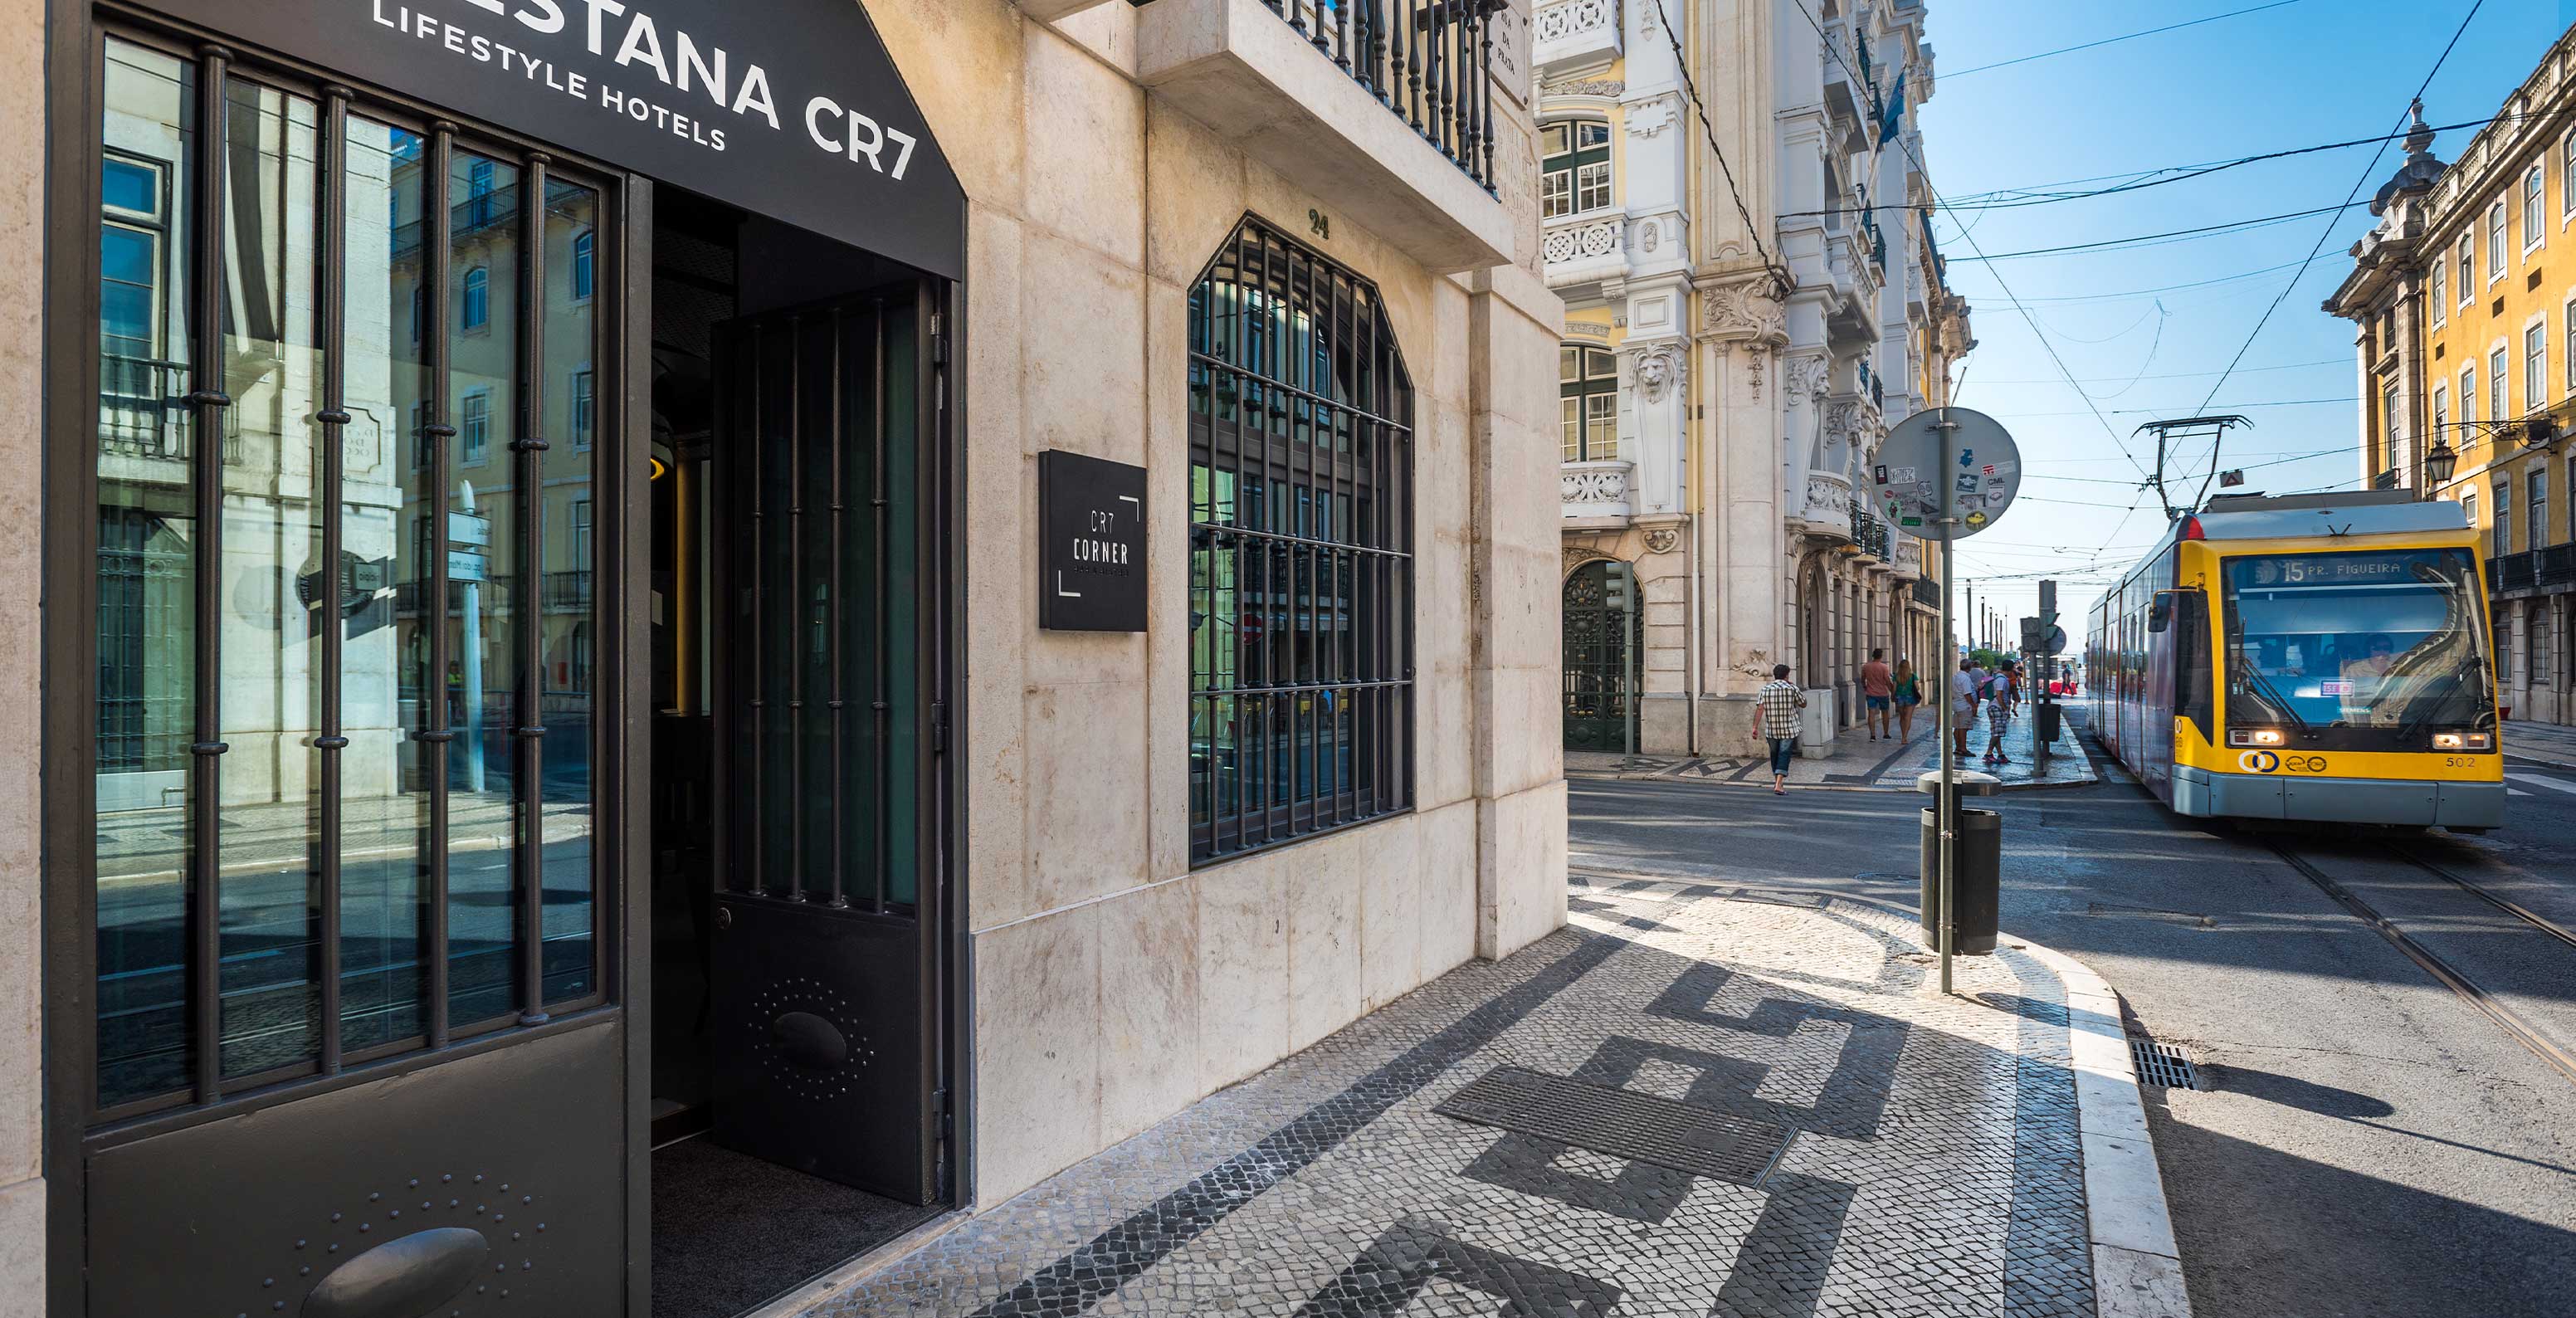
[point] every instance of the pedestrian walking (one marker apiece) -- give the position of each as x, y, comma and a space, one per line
1909, 693
1878, 689
2001, 697
1963, 705
1775, 720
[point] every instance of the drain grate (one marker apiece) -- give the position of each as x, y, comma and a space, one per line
1619, 1122
2162, 1064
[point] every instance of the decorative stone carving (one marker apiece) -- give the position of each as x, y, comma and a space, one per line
1650, 236
1573, 19
1661, 539
1742, 309
1804, 375
1578, 555
1659, 369
1611, 87
1753, 364
1649, 118
1580, 242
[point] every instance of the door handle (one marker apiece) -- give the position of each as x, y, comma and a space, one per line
405, 1278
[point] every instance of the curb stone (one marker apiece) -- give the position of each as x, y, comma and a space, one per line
2137, 1268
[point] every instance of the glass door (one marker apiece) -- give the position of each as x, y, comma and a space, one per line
346, 788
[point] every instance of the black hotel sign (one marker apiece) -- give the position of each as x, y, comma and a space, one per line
790, 108
1091, 548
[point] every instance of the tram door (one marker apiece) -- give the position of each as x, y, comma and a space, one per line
824, 950
1605, 629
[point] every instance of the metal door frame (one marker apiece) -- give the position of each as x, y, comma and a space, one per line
76, 31
73, 35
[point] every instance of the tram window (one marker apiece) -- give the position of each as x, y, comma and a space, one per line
2374, 640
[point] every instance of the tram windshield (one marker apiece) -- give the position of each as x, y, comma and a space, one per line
2393, 642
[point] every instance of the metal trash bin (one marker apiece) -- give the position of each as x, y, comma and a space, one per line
1976, 873
2049, 715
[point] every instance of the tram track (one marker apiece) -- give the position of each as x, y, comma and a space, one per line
2442, 971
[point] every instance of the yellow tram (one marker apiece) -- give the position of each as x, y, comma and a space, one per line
2319, 657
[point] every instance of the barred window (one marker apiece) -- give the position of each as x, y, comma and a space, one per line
1301, 536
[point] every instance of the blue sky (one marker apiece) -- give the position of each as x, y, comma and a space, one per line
2308, 72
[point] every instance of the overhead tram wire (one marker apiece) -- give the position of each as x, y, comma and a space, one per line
2367, 172
1681, 60
2112, 41
2169, 236
1925, 172
2036, 194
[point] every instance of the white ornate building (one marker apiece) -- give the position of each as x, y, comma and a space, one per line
1735, 351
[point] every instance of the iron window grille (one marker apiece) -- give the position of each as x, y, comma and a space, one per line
256, 778
1588, 402
1301, 536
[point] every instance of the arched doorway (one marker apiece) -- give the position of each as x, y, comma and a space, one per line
1605, 635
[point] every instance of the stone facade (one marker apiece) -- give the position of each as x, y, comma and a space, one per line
1757, 370
1115, 982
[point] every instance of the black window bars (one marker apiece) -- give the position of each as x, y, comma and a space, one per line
1301, 538
244, 981
1429, 63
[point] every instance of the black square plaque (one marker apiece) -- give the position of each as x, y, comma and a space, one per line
1091, 551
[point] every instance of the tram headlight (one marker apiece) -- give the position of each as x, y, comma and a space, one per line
2257, 737
2464, 741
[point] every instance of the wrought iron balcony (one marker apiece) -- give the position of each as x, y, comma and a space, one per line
2386, 480
2555, 566
1383, 108
2513, 572
1869, 534
1927, 592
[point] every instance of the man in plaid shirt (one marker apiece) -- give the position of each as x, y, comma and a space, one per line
1775, 719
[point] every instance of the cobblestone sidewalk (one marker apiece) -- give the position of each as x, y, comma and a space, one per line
1691, 1102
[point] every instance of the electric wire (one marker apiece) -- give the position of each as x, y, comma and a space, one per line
1681, 61
2367, 171
1925, 172
2112, 41
2167, 237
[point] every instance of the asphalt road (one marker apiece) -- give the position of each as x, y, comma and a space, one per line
2368, 1143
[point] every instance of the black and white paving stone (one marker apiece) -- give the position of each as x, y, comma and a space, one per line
1877, 1149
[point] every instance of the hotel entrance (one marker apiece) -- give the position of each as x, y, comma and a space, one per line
499, 834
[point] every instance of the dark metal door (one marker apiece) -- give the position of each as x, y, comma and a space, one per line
1604, 632
336, 1005
825, 950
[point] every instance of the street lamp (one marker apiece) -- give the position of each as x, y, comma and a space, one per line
2441, 462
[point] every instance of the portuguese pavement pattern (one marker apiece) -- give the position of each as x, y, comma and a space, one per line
1692, 1101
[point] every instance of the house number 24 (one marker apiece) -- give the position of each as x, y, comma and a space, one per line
1320, 224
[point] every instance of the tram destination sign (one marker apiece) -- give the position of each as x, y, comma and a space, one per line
789, 108
1091, 555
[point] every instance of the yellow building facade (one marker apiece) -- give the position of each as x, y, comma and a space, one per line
2464, 298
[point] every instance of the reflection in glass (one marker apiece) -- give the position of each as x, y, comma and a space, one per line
2393, 641
146, 567
384, 787
565, 795
272, 565
480, 538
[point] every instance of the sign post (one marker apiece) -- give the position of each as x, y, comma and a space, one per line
1942, 476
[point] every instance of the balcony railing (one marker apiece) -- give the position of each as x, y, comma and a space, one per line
1431, 65
142, 408
2513, 572
1587, 240
1927, 592
2386, 480
1591, 490
1869, 534
568, 591
2555, 566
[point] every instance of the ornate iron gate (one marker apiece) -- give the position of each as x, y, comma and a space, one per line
825, 962
1605, 625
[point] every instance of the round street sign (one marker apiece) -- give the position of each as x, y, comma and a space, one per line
1981, 473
